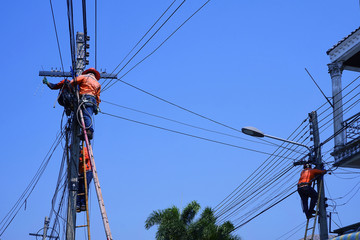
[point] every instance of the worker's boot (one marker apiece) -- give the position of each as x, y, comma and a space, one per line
81, 136
310, 215
89, 134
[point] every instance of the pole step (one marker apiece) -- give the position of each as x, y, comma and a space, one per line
81, 226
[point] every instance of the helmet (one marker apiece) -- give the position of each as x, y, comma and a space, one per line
94, 71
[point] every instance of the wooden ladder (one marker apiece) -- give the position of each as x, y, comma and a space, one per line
307, 228
96, 182
85, 193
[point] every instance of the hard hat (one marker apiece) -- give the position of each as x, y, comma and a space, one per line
94, 71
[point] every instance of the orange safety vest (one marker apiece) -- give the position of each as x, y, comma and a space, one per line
87, 84
87, 161
309, 174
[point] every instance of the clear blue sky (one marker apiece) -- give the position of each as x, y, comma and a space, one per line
238, 62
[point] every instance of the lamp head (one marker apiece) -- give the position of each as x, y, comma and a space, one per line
252, 131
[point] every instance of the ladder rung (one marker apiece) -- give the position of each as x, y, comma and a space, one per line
81, 226
81, 194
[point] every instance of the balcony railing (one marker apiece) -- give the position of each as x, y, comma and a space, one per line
349, 154
352, 126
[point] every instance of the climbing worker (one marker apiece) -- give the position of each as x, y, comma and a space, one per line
81, 200
89, 95
306, 191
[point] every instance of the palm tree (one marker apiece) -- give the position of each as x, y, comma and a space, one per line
172, 224
176, 225
205, 228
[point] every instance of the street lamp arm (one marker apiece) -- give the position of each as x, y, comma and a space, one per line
285, 140
254, 132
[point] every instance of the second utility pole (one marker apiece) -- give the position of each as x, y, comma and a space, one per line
319, 165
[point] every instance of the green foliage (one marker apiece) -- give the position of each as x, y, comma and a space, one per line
175, 225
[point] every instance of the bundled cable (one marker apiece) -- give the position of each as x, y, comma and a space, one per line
9, 217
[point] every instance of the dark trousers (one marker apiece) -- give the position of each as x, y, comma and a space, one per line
90, 108
305, 193
80, 201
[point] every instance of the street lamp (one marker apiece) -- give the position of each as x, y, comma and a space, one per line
252, 131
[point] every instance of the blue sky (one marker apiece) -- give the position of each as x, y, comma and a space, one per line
240, 63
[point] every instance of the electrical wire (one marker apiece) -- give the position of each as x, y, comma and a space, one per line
9, 217
96, 34
84, 20
178, 106
189, 135
57, 37
143, 37
264, 142
340, 92
254, 189
159, 45
263, 211
71, 33
293, 231
253, 196
260, 171
257, 194
146, 41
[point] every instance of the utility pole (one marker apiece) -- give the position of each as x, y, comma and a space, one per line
314, 130
46, 226
73, 167
73, 161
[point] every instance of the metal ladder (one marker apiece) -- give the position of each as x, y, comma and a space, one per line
85, 193
307, 228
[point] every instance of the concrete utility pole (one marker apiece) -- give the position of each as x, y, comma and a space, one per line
73, 167
320, 184
73, 162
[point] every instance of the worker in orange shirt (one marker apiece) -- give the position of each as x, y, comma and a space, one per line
306, 191
89, 90
81, 200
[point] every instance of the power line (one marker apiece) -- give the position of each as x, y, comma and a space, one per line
71, 33
147, 41
178, 106
9, 217
327, 99
190, 135
256, 194
259, 170
353, 81
276, 203
84, 19
57, 37
95, 34
296, 229
159, 45
143, 37
197, 127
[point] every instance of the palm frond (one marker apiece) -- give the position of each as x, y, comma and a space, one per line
189, 212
